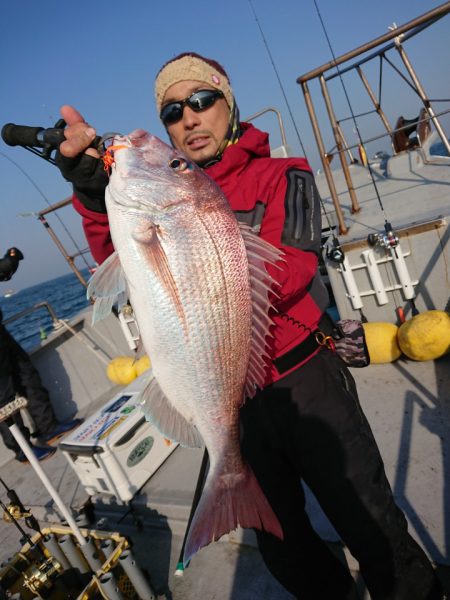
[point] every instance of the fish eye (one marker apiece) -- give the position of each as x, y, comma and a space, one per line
179, 164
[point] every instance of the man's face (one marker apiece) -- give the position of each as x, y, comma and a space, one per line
197, 134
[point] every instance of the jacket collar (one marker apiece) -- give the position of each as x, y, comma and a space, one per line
252, 144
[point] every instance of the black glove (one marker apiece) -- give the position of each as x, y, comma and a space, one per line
88, 177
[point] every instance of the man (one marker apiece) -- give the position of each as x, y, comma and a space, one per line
18, 376
307, 422
10, 263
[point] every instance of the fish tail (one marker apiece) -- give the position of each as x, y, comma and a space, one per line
229, 501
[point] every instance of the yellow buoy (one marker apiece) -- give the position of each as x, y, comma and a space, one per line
142, 364
381, 339
122, 370
426, 336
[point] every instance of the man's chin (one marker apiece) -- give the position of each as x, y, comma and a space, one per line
200, 157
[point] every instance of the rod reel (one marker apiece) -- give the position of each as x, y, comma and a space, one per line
334, 251
387, 239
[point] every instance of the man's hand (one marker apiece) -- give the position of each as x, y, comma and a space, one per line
79, 135
80, 164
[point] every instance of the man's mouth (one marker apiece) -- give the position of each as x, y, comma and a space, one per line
197, 142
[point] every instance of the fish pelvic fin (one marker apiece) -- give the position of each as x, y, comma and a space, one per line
229, 501
260, 253
107, 286
166, 418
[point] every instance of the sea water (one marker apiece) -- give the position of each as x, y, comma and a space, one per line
66, 296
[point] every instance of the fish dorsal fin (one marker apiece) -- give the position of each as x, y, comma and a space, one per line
108, 285
259, 253
171, 423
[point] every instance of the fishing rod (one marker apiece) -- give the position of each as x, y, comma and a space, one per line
30, 520
332, 246
38, 140
14, 511
41, 142
44, 141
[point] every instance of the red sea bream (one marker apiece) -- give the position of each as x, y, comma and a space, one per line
199, 288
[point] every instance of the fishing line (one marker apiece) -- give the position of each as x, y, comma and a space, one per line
335, 249
355, 123
278, 77
38, 189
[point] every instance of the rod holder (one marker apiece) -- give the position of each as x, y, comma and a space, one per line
92, 555
73, 554
135, 575
402, 272
350, 284
107, 547
109, 587
375, 277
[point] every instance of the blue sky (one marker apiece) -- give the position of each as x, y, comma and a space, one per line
102, 56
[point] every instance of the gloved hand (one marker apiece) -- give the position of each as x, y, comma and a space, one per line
80, 163
88, 177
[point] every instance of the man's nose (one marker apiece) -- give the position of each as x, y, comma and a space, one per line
190, 117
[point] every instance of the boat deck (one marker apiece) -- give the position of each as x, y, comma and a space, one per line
407, 404
411, 191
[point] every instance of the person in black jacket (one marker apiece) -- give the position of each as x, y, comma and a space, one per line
10, 263
18, 376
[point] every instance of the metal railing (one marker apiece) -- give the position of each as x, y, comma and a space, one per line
57, 323
333, 69
70, 258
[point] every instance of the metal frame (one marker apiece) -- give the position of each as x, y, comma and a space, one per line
398, 35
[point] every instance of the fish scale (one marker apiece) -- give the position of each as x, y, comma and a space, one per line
184, 262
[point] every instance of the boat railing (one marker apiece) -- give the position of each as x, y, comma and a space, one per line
60, 324
369, 140
283, 150
57, 323
70, 258
339, 66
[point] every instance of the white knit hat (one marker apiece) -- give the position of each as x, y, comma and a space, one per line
191, 66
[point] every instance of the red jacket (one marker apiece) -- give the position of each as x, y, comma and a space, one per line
279, 195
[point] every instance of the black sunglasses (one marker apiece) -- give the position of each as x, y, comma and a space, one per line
198, 101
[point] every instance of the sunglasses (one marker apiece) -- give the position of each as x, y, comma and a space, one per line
198, 101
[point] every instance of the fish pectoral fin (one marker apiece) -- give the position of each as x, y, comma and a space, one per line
148, 235
107, 286
259, 254
170, 422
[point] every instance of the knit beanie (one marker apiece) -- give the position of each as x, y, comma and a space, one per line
191, 66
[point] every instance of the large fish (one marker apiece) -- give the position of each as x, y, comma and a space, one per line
199, 288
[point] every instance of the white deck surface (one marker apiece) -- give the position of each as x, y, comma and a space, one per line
410, 191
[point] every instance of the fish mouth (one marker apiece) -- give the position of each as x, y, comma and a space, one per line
136, 138
139, 137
